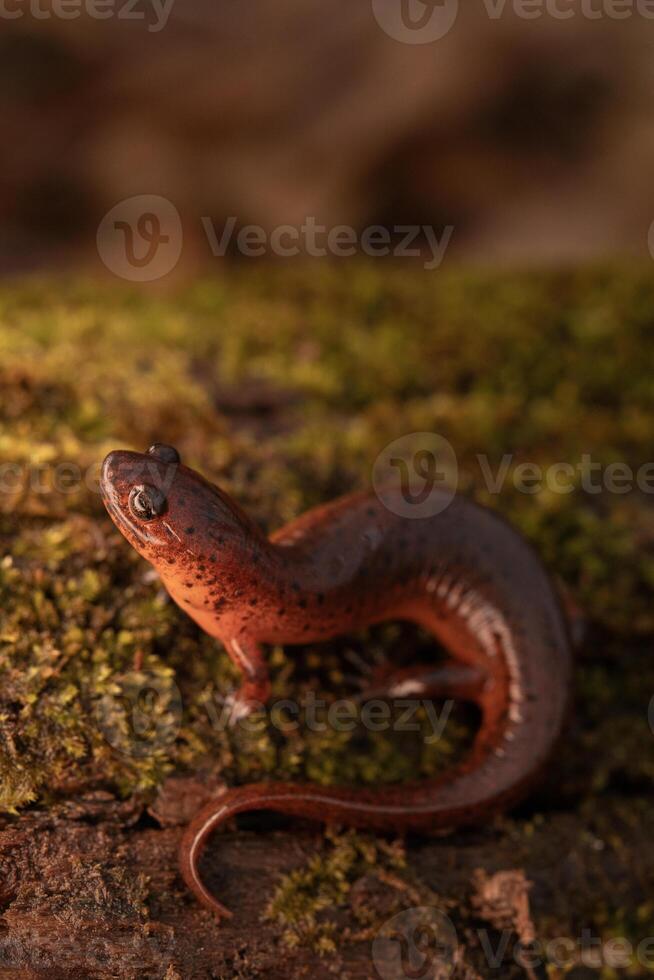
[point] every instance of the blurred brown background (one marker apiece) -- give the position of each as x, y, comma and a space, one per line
533, 138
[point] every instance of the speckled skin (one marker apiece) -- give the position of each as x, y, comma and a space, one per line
464, 574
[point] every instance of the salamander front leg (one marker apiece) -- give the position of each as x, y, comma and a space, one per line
254, 691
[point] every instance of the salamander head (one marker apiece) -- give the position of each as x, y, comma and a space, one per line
171, 515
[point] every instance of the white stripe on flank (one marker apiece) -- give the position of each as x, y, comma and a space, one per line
489, 626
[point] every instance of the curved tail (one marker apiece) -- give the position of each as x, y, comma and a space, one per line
495, 775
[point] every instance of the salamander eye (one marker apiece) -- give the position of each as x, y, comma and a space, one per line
146, 503
167, 454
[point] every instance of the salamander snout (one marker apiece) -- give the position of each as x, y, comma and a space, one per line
137, 488
170, 514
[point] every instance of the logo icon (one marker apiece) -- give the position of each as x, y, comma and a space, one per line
416, 475
141, 715
416, 21
140, 238
417, 944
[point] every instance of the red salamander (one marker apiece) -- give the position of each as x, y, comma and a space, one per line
464, 575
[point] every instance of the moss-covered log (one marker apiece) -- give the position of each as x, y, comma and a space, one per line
283, 385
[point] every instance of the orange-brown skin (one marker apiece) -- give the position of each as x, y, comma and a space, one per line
463, 574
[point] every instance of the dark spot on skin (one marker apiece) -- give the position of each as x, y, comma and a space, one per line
302, 603
190, 530
321, 598
295, 586
306, 628
281, 612
213, 558
253, 602
370, 511
188, 585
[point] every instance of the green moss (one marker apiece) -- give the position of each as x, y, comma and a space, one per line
284, 384
305, 902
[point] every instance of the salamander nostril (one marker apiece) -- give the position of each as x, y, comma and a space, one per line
167, 454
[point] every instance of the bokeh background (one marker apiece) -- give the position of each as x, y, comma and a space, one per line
533, 138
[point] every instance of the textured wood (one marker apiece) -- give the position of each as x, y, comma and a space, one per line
92, 889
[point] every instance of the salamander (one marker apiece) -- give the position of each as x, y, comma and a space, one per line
464, 575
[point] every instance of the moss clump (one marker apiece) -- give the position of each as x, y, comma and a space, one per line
305, 903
